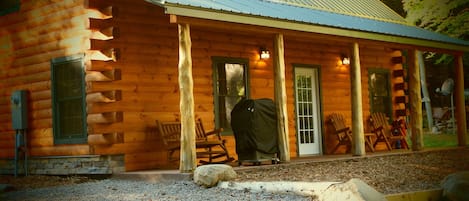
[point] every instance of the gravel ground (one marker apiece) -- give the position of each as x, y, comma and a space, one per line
388, 174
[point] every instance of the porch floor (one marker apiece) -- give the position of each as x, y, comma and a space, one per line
174, 174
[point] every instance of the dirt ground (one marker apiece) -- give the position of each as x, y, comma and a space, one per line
401, 172
394, 173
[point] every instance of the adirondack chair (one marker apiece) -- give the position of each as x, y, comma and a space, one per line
383, 131
344, 133
208, 144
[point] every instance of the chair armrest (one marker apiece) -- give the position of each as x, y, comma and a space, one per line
343, 130
216, 132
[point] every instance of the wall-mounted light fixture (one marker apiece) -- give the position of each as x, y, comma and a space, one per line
264, 53
345, 59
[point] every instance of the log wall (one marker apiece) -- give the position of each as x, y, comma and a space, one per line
132, 76
29, 39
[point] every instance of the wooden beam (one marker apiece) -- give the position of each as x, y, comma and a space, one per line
305, 27
281, 98
105, 118
188, 157
103, 76
358, 134
107, 33
106, 139
110, 54
415, 102
104, 97
460, 101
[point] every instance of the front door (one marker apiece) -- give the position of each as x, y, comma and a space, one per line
308, 129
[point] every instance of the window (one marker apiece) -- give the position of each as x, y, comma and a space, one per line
230, 86
380, 91
68, 99
9, 6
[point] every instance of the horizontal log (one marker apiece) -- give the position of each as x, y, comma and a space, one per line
47, 56
41, 104
106, 139
25, 70
105, 118
107, 128
400, 99
398, 59
41, 114
110, 75
110, 54
39, 10
41, 95
103, 12
27, 79
104, 97
105, 33
98, 24
99, 65
60, 150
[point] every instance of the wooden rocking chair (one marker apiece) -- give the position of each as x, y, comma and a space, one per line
382, 130
208, 144
343, 132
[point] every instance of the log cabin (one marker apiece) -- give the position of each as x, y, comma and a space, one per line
98, 74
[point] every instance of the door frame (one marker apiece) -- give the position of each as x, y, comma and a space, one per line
320, 107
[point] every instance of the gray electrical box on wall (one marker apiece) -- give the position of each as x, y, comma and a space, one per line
19, 109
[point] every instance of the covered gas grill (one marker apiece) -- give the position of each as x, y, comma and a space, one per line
254, 124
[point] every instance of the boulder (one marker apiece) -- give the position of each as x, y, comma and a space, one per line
352, 190
456, 186
210, 175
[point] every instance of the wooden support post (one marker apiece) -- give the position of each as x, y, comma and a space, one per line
358, 136
460, 101
188, 157
281, 98
415, 102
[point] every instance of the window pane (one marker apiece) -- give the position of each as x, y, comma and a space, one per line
69, 102
68, 82
71, 119
230, 89
380, 92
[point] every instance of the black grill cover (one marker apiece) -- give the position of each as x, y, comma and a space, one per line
254, 124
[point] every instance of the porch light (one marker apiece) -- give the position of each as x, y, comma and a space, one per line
264, 53
345, 59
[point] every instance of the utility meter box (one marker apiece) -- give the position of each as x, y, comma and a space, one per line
19, 109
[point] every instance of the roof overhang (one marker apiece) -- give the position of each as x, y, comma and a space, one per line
218, 15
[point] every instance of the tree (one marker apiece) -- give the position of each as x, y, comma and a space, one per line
450, 17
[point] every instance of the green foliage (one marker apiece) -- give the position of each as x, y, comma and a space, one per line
450, 17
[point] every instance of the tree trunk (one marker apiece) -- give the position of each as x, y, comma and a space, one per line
358, 136
281, 98
415, 103
188, 157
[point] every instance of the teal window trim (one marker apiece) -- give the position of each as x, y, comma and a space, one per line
216, 61
9, 6
58, 102
388, 107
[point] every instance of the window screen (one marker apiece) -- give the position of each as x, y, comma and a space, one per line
69, 100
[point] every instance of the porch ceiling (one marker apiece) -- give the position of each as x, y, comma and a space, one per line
291, 16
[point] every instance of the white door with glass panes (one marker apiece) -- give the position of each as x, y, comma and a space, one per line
308, 129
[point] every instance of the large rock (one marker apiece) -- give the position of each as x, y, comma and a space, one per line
354, 189
210, 175
456, 186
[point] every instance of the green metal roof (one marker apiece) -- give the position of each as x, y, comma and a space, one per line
371, 9
328, 18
